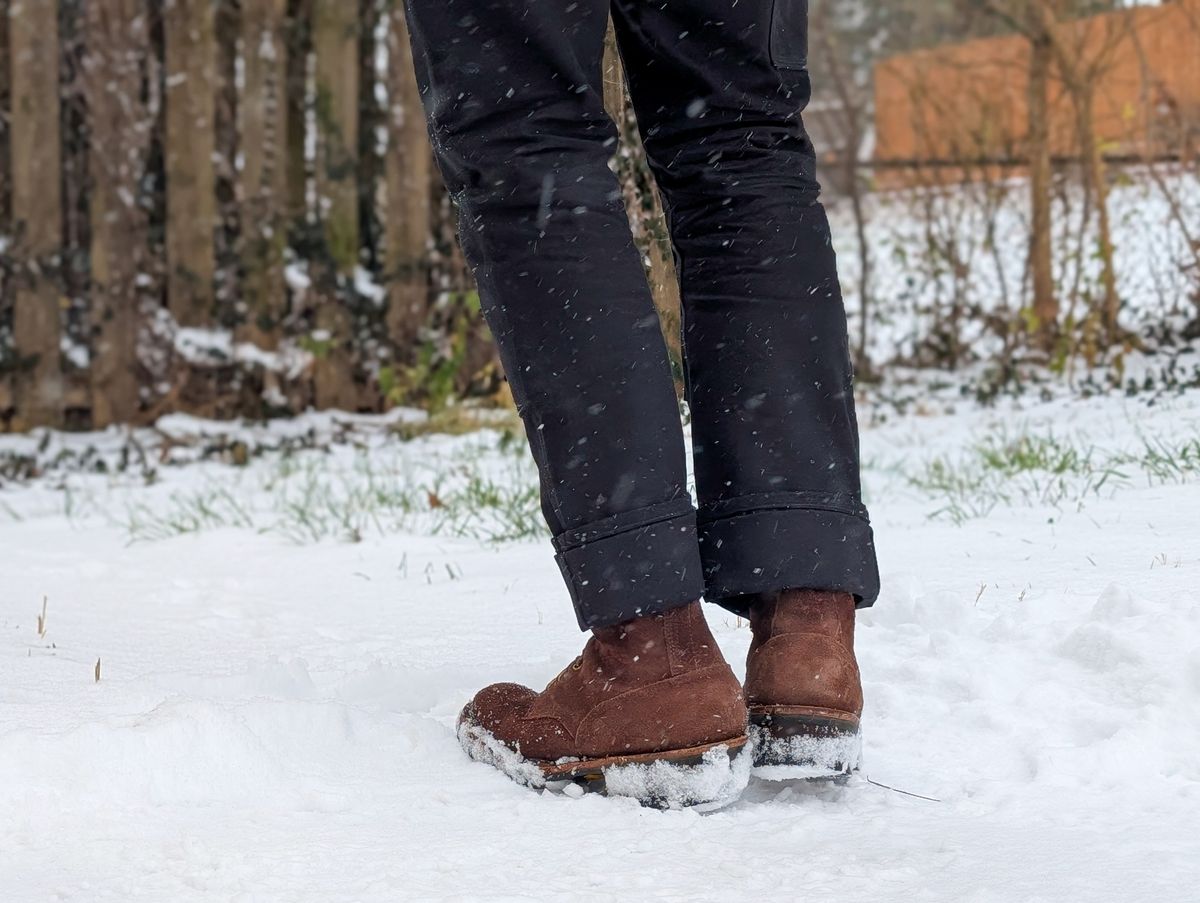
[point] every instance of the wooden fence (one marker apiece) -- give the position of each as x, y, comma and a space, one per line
222, 206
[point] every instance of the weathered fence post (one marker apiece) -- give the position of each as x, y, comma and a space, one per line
36, 156
335, 40
189, 30
118, 44
6, 387
335, 43
264, 189
409, 190
298, 38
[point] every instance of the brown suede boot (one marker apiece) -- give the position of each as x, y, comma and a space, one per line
803, 686
649, 710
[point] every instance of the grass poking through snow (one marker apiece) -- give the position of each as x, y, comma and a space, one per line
353, 480
1045, 470
486, 491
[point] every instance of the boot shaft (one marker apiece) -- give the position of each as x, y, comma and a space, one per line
813, 612
654, 648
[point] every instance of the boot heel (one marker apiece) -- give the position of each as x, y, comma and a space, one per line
797, 743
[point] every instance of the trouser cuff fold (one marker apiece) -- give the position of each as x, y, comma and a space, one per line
632, 565
767, 550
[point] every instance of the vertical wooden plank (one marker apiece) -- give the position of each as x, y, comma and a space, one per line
372, 120
227, 25
189, 32
335, 41
37, 210
336, 46
118, 46
409, 177
298, 36
6, 398
263, 177
5, 106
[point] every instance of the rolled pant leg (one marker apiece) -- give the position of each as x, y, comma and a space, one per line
718, 89
513, 95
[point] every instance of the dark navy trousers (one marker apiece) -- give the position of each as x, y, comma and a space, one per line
514, 99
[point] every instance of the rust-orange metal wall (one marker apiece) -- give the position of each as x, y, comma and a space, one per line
968, 101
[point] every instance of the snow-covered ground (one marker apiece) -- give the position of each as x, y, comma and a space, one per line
273, 716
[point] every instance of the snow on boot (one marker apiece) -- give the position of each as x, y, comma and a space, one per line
650, 710
803, 686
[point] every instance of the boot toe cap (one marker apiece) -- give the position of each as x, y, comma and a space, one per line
503, 711
497, 704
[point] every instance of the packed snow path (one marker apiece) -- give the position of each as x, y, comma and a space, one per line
273, 718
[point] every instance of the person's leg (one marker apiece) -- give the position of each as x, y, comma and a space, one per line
719, 88
513, 94
515, 106
767, 360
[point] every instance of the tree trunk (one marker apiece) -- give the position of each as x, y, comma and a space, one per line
1098, 184
858, 207
409, 174
335, 43
645, 208
614, 80
189, 30
1041, 175
1081, 75
851, 140
664, 286
37, 211
118, 40
264, 188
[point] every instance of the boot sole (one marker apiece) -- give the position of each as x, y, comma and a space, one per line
703, 777
805, 743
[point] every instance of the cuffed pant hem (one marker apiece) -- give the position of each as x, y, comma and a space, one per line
632, 565
768, 550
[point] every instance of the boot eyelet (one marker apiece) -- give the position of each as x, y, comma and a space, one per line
577, 664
